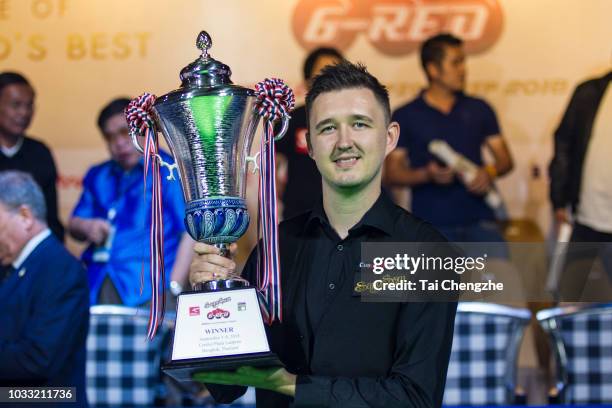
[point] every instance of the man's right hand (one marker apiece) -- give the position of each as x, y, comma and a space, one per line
209, 265
440, 174
96, 230
562, 215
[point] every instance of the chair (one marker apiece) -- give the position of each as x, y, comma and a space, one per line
482, 369
123, 367
582, 339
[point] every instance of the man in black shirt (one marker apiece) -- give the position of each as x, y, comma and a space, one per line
19, 152
303, 184
339, 351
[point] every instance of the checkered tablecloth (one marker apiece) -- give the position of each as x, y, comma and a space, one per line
123, 367
483, 359
587, 341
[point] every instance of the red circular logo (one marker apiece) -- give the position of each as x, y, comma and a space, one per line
396, 27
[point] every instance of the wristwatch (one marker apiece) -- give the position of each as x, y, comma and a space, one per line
176, 288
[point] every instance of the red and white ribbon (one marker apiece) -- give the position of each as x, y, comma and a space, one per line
138, 114
275, 101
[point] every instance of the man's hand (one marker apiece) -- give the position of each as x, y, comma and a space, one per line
208, 265
273, 379
440, 174
481, 184
96, 230
562, 215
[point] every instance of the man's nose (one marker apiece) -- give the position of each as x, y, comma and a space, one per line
24, 110
345, 137
123, 141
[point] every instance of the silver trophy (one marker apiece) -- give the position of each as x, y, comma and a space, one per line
209, 124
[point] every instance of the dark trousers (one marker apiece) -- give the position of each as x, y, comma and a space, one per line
586, 246
108, 295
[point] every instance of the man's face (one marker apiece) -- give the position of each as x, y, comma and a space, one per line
14, 228
451, 72
349, 138
16, 109
117, 136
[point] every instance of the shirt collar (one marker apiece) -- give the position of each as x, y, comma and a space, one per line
30, 247
12, 151
459, 95
379, 216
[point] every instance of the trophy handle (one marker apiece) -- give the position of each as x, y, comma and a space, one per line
254, 160
138, 146
283, 130
136, 143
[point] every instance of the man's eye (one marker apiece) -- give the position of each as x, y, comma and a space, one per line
360, 125
328, 129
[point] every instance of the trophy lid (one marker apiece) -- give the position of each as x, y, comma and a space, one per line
205, 71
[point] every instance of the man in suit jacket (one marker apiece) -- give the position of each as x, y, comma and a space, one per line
338, 350
44, 303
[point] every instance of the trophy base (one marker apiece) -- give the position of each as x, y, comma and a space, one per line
221, 284
218, 331
183, 371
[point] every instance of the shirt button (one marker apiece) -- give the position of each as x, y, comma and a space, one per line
339, 247
332, 286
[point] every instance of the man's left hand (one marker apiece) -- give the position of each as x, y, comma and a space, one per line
273, 379
481, 183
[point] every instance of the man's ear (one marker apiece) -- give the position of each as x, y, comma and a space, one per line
432, 70
392, 136
308, 144
26, 216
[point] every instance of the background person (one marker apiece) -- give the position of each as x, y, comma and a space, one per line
114, 218
302, 188
580, 182
443, 111
20, 152
44, 307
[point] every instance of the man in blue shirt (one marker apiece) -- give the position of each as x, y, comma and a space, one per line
114, 217
443, 111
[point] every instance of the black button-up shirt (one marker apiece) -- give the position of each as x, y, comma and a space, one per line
334, 259
347, 352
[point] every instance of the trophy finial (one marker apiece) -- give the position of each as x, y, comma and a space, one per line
205, 71
204, 42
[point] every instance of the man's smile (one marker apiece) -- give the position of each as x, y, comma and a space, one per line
346, 161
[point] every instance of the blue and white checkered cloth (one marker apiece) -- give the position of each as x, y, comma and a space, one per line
587, 340
483, 359
123, 368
